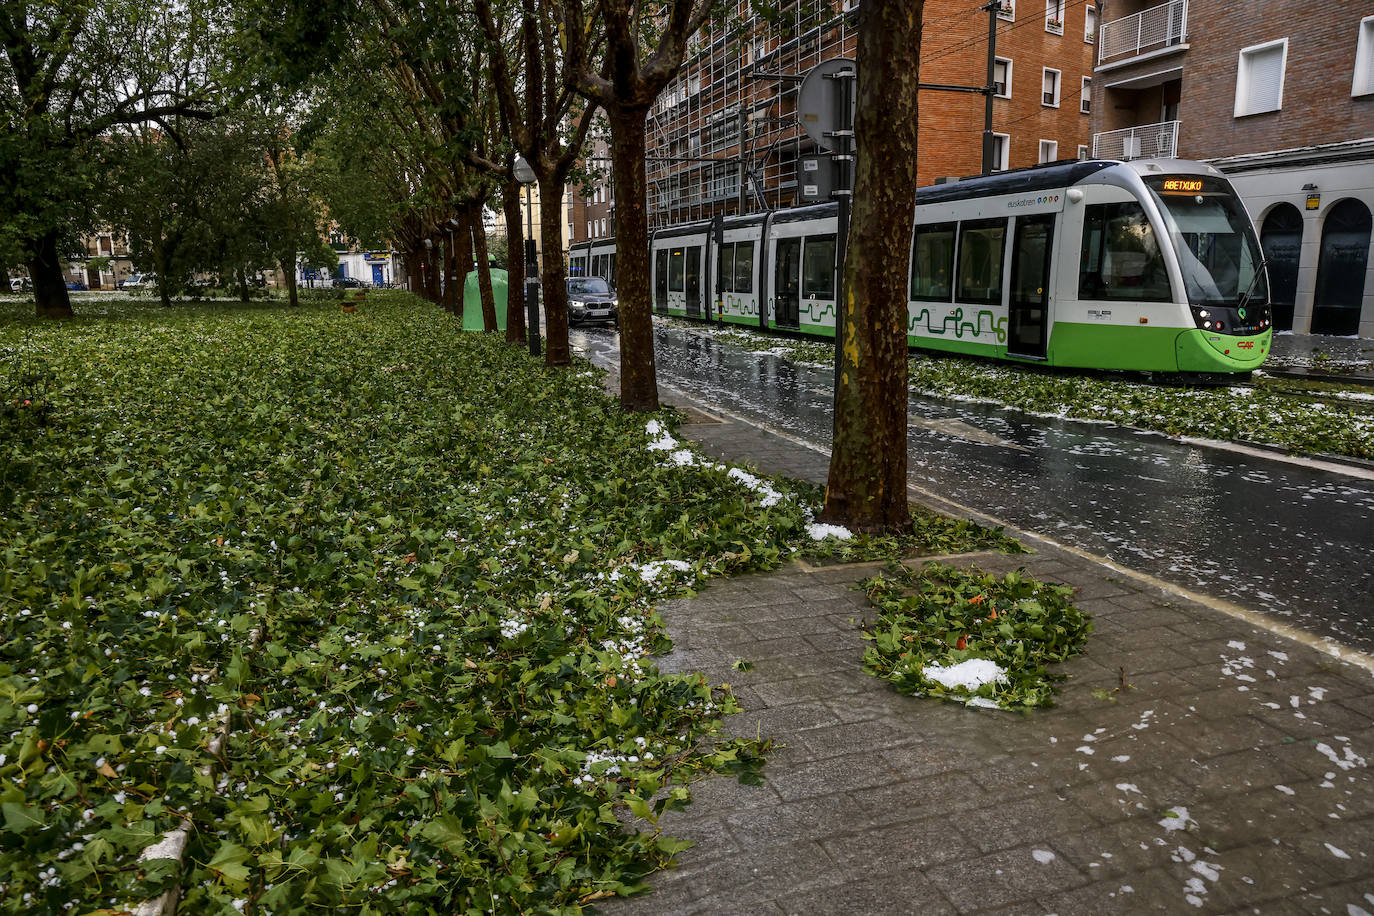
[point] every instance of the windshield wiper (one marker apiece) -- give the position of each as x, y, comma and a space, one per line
1259, 272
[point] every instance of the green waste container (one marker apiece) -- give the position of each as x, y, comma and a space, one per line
472, 300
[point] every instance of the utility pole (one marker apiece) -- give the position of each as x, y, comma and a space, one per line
989, 143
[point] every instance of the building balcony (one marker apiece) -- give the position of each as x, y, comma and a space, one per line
1158, 29
1145, 141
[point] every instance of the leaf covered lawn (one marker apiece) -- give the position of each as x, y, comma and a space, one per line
449, 555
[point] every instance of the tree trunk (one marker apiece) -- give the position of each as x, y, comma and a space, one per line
433, 264
4, 278
867, 486
463, 261
49, 289
484, 291
288, 269
638, 375
556, 351
242, 274
160, 266
452, 303
414, 273
515, 264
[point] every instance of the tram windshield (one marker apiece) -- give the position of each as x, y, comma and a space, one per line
1215, 242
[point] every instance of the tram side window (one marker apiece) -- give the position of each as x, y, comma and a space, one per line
727, 268
744, 267
818, 267
981, 244
661, 278
1121, 257
932, 262
677, 271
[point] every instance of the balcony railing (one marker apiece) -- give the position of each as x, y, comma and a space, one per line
1148, 30
1147, 141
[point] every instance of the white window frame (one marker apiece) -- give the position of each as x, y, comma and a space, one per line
1090, 24
1083, 151
1363, 83
1003, 161
1049, 150
1058, 81
1242, 76
589, 229
1085, 95
1006, 86
1054, 17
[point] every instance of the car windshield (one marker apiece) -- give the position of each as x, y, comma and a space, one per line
588, 286
1216, 245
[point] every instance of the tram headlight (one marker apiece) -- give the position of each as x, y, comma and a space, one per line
1203, 313
1207, 325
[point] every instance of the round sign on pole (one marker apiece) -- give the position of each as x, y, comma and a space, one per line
817, 101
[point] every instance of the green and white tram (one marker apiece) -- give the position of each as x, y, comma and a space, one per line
1150, 265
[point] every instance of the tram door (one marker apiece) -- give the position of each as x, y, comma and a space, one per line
661, 281
694, 281
1030, 286
787, 284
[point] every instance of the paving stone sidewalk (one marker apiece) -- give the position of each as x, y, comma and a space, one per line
1228, 775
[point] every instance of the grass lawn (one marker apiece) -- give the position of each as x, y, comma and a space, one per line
409, 572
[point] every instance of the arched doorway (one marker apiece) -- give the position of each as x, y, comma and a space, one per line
1281, 239
1341, 269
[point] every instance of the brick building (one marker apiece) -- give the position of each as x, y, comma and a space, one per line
735, 103
1282, 99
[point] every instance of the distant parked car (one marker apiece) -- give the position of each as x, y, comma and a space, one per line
75, 284
20, 284
139, 281
348, 282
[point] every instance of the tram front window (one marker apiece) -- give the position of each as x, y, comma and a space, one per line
1216, 246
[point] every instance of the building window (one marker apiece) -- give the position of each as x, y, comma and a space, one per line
1085, 95
1001, 152
1049, 150
1054, 16
589, 228
1049, 88
1090, 24
1364, 59
1082, 151
1001, 77
1007, 11
1259, 78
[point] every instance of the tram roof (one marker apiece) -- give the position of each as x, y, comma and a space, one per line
1015, 181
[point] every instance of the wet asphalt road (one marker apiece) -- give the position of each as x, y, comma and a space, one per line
1293, 542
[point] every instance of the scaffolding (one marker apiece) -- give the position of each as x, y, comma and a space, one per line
732, 110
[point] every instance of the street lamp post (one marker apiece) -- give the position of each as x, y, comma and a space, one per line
525, 175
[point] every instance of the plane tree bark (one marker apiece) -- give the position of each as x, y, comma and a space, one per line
867, 485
